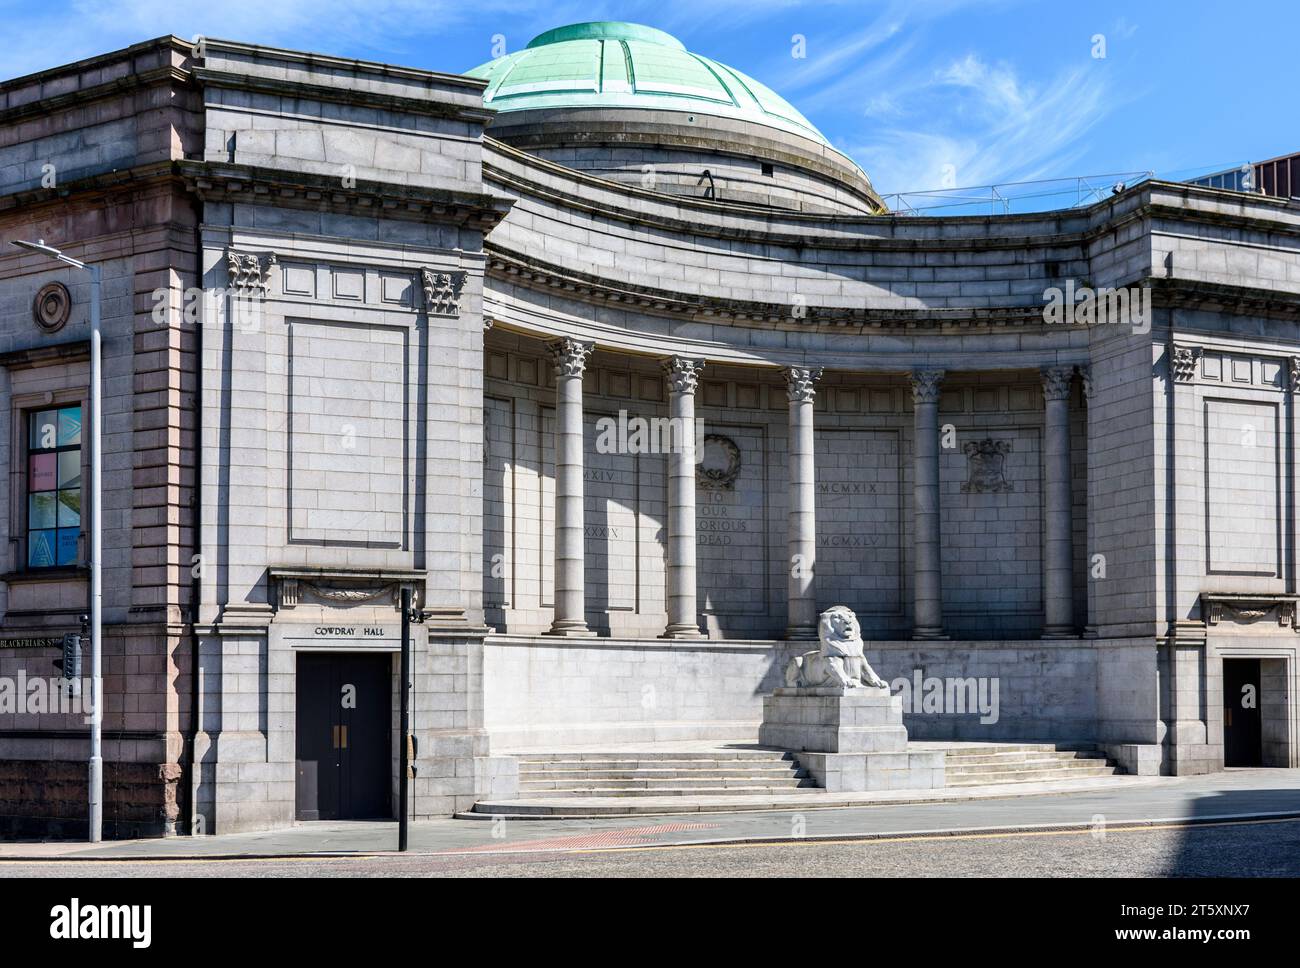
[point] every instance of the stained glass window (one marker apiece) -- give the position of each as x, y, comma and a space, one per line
53, 487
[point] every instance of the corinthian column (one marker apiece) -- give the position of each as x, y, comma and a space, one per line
927, 622
802, 527
570, 357
1058, 552
683, 619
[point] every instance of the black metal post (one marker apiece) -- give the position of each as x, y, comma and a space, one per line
404, 680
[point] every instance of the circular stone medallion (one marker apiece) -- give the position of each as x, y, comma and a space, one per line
51, 306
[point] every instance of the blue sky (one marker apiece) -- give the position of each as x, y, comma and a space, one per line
922, 94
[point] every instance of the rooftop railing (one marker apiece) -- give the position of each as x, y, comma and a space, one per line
1010, 198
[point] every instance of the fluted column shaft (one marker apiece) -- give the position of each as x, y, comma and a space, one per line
802, 524
683, 617
927, 622
570, 358
1058, 550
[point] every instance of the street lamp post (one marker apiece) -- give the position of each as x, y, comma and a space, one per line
96, 546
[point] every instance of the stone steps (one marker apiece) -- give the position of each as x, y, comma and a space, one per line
1012, 758
659, 774
983, 749
551, 776
1029, 776
739, 790
623, 783
1005, 761
1024, 763
638, 756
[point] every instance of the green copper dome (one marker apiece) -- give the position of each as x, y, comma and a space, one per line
619, 65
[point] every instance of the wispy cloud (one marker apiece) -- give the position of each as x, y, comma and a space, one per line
975, 123
894, 95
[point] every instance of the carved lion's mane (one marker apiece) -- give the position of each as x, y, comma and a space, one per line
837, 642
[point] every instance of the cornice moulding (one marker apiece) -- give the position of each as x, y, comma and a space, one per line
539, 276
340, 95
310, 59
294, 189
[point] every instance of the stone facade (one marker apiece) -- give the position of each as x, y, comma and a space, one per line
409, 339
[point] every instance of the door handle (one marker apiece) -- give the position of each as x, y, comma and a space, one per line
340, 737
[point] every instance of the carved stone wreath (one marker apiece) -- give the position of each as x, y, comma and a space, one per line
294, 591
352, 596
719, 464
51, 307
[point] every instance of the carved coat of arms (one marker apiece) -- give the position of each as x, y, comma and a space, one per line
986, 464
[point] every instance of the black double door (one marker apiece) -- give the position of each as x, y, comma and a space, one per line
344, 737
1242, 733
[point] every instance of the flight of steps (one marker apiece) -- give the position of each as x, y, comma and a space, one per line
660, 774
1024, 763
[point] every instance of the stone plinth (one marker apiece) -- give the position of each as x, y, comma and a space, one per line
850, 740
858, 772
827, 720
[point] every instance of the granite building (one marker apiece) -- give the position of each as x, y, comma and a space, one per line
367, 328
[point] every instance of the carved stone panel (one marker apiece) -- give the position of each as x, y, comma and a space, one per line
1257, 612
986, 466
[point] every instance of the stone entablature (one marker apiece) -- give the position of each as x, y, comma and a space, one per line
1232, 369
982, 275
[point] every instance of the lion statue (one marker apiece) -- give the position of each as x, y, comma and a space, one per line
840, 662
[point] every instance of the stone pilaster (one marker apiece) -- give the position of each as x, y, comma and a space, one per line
570, 356
801, 530
1058, 552
927, 620
683, 619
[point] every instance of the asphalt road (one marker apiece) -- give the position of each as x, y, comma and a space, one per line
1270, 849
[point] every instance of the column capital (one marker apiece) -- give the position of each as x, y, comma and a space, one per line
1182, 362
925, 385
800, 382
1085, 375
249, 271
1056, 382
570, 356
683, 373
